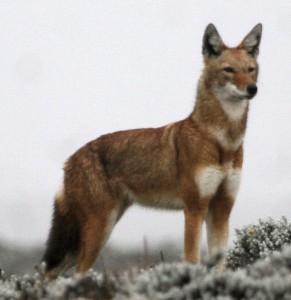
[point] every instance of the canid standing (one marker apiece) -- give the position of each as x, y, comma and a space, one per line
193, 164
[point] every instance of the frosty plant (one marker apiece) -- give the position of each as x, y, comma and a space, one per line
258, 241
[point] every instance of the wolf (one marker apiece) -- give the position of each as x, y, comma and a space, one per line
193, 165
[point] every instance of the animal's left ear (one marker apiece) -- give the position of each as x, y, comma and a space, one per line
251, 42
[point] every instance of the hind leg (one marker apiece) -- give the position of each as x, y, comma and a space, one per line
68, 262
94, 234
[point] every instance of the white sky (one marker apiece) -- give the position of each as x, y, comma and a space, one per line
73, 70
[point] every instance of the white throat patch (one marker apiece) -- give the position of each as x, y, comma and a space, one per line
234, 109
232, 101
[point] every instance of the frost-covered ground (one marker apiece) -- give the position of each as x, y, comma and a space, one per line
259, 267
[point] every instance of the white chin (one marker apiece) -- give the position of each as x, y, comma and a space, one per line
230, 93
239, 97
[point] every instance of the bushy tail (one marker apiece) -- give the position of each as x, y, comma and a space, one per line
63, 241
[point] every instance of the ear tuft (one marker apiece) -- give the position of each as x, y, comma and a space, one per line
251, 42
212, 42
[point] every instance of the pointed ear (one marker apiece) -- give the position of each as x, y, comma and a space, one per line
212, 42
251, 42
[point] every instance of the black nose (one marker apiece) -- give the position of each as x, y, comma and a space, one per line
252, 89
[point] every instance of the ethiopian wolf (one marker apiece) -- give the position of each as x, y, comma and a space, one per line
193, 165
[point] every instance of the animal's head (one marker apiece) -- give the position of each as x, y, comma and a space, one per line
231, 73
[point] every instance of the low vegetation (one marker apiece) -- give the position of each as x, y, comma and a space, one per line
258, 267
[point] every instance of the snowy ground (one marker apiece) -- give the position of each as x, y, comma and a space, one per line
259, 267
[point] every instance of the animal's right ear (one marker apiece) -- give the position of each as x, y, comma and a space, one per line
212, 42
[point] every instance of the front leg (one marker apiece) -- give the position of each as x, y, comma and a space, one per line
219, 213
193, 229
197, 196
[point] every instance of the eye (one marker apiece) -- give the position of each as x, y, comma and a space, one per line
251, 69
228, 69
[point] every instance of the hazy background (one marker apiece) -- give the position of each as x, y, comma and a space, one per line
73, 70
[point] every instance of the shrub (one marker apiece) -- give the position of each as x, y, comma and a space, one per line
266, 279
89, 286
258, 241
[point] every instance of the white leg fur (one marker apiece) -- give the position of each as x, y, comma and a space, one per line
216, 244
217, 241
232, 182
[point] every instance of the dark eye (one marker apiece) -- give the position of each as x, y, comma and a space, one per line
251, 69
228, 70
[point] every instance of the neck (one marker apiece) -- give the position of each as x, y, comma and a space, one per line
223, 119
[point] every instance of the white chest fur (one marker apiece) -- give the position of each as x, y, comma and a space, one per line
210, 178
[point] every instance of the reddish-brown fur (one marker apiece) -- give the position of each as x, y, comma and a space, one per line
192, 164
